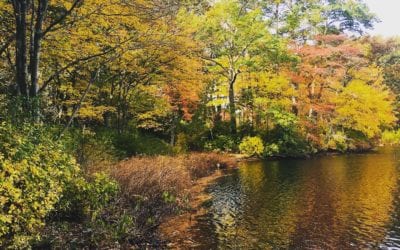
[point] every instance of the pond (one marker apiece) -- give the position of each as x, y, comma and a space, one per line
326, 202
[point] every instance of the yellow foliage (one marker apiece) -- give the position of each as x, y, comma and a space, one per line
364, 108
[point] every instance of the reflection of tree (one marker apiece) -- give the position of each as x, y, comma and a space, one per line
353, 199
329, 202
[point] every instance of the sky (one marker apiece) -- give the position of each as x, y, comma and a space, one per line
388, 11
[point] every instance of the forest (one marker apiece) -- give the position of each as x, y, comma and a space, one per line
109, 109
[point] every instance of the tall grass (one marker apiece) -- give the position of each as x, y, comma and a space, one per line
152, 177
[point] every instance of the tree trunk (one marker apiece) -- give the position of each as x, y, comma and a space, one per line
232, 107
37, 36
20, 10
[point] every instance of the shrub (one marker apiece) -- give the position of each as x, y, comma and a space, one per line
221, 143
271, 150
391, 136
204, 164
149, 177
338, 141
181, 145
94, 150
251, 146
132, 143
33, 171
39, 180
86, 198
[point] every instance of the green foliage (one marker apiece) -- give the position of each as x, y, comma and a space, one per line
283, 120
252, 146
87, 198
221, 143
34, 173
291, 144
181, 145
337, 141
271, 149
133, 143
286, 138
391, 136
92, 149
167, 197
40, 180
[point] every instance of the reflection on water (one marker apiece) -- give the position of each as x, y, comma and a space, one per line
348, 201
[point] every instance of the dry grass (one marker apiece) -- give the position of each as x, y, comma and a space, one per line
203, 164
150, 177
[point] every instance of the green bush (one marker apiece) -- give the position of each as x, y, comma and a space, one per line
132, 143
39, 179
251, 146
338, 141
94, 150
181, 145
271, 149
34, 169
221, 143
87, 198
391, 136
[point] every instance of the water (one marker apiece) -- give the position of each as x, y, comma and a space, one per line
328, 202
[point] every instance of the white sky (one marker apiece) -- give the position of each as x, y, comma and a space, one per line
388, 11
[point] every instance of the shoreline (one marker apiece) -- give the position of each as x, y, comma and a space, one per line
175, 229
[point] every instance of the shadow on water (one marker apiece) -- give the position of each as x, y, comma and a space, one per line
340, 201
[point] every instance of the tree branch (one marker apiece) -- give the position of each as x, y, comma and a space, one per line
78, 106
7, 43
62, 18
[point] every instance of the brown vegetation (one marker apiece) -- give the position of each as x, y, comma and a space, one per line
151, 177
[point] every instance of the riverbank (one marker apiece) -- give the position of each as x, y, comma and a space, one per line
175, 229
288, 203
159, 200
168, 191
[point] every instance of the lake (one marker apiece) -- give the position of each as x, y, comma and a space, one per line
326, 202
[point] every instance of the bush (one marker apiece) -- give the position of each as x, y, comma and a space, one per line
132, 143
86, 198
286, 137
204, 164
338, 141
34, 169
221, 143
181, 145
271, 150
94, 150
150, 177
391, 136
251, 146
40, 180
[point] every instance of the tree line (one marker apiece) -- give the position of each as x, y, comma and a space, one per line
201, 75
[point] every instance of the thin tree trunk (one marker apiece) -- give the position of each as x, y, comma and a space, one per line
232, 104
78, 106
20, 10
232, 108
37, 37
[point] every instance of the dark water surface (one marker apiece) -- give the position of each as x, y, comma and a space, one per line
327, 202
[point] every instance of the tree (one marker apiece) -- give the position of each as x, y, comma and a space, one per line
32, 15
363, 107
303, 19
235, 41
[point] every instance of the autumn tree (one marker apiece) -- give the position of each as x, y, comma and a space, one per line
236, 40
